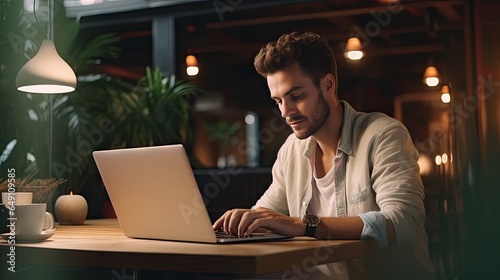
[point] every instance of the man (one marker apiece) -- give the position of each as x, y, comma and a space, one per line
342, 174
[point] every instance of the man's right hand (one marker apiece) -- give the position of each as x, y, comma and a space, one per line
243, 222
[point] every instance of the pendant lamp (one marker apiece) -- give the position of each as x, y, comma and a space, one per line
192, 65
445, 94
353, 49
46, 72
431, 76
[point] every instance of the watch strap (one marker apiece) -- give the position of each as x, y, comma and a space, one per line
311, 230
311, 222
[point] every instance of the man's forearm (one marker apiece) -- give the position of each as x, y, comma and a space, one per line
340, 228
348, 228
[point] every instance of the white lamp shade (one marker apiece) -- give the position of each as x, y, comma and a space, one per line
46, 72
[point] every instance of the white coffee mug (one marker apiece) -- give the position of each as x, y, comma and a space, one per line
14, 198
32, 219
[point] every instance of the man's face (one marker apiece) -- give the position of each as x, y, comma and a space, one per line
299, 100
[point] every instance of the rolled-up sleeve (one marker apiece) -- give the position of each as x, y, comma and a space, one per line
397, 183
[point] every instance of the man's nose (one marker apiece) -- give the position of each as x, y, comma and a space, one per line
287, 109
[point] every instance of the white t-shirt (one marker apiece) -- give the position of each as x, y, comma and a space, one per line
323, 203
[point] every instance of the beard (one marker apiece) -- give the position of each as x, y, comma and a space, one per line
316, 121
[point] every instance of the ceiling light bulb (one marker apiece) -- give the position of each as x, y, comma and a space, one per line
445, 97
444, 158
192, 70
354, 55
438, 160
432, 81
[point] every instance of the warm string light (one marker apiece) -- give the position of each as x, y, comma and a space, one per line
438, 160
443, 159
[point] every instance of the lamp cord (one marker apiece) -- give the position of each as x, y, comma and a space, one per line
50, 27
36, 18
50, 32
51, 127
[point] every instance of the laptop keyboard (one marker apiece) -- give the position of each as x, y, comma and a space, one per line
225, 235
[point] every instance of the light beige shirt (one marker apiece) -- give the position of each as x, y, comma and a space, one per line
381, 174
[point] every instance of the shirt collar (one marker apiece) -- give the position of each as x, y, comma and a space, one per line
345, 144
310, 147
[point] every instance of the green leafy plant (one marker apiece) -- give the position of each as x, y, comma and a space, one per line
152, 111
25, 119
156, 112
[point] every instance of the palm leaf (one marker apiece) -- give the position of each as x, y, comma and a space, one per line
102, 46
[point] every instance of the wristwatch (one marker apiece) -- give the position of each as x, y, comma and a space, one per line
311, 221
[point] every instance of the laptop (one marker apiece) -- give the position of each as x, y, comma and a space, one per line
155, 195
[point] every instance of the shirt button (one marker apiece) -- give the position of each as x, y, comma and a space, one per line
304, 203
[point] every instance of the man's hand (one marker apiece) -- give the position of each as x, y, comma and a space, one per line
243, 222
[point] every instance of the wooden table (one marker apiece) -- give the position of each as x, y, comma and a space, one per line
101, 244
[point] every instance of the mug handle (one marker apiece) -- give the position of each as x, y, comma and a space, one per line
49, 222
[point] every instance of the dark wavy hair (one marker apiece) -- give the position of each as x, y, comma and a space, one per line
311, 51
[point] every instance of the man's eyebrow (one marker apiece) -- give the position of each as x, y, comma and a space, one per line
289, 91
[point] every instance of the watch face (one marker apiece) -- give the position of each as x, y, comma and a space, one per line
311, 220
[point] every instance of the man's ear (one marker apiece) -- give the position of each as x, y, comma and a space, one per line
329, 82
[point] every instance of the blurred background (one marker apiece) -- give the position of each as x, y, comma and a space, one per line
131, 55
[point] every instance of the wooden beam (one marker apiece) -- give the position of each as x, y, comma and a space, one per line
253, 49
450, 13
323, 15
407, 50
